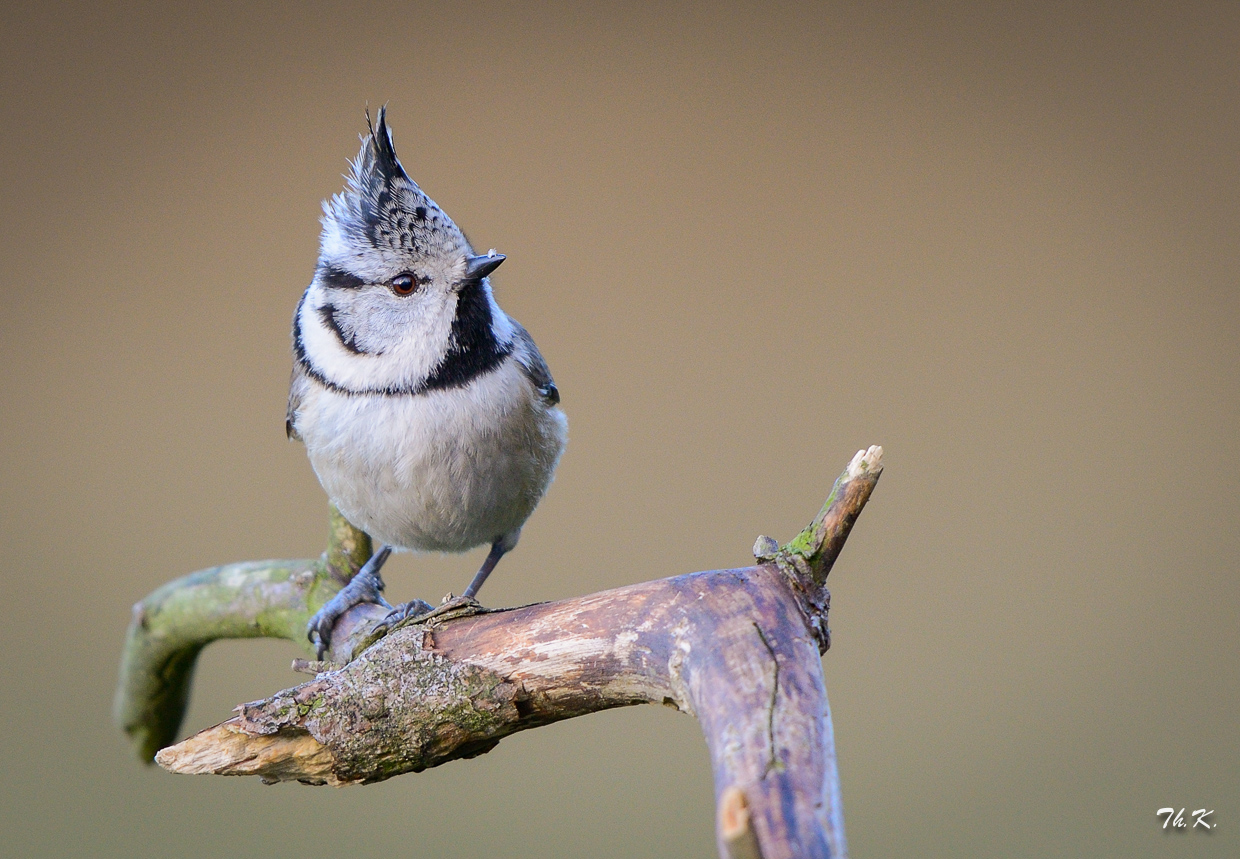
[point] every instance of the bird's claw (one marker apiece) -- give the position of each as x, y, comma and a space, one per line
404, 611
419, 611
365, 587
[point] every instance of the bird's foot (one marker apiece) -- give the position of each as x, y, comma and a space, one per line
365, 587
454, 606
404, 611
420, 611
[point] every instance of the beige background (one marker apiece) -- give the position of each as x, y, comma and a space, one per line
1003, 244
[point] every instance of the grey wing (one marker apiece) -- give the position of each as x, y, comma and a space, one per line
536, 369
297, 387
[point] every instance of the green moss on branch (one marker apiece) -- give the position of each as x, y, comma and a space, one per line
254, 599
811, 554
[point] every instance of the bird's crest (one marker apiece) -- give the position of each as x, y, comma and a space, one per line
387, 164
382, 208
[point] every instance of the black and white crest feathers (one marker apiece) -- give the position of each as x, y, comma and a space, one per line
385, 153
383, 211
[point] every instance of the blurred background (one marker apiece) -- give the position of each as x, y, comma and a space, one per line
1000, 240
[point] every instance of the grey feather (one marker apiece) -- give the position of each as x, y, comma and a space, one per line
297, 387
536, 369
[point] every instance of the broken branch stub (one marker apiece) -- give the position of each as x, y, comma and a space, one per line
808, 558
738, 649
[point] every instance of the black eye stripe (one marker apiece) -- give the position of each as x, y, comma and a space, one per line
334, 278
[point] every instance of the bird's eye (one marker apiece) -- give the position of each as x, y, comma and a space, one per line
404, 284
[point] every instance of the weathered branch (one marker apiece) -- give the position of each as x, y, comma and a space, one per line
254, 599
739, 649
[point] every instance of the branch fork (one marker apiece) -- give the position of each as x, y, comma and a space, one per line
738, 649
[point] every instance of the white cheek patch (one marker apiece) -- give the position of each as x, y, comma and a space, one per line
416, 343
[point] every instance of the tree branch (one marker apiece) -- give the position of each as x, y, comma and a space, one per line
738, 649
253, 599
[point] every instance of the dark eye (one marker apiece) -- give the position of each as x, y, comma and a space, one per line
404, 284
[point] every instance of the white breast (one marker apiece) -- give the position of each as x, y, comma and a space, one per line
442, 471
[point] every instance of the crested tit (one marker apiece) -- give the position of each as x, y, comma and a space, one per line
427, 412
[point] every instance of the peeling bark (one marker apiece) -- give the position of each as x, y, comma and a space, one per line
735, 826
738, 649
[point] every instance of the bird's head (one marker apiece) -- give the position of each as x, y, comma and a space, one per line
392, 266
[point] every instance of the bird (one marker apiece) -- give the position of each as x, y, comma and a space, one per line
428, 414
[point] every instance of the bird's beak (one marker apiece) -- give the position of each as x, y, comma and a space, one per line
476, 268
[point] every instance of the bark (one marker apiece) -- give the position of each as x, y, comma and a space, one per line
738, 649
253, 599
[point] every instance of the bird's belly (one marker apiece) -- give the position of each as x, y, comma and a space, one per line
443, 471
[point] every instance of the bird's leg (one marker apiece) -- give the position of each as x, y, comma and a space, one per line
498, 549
417, 608
366, 586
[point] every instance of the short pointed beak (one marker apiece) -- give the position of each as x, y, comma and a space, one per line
476, 268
